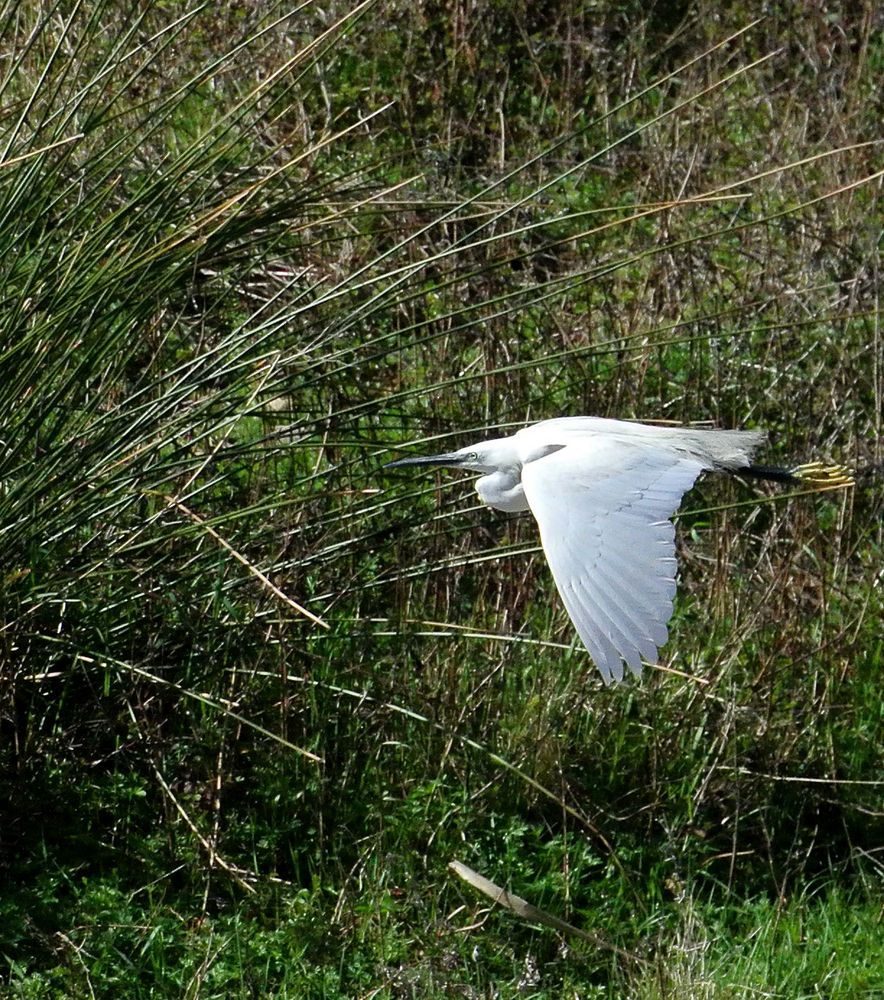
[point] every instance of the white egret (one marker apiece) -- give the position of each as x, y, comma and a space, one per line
603, 493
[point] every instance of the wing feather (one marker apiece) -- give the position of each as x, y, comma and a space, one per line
584, 615
619, 632
604, 507
626, 597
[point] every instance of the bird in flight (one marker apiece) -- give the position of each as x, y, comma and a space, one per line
603, 493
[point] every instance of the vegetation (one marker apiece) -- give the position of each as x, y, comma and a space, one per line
256, 693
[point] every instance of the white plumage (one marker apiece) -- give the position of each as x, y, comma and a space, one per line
603, 493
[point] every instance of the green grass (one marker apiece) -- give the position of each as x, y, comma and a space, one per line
395, 939
234, 280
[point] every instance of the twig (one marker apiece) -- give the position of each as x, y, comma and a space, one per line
242, 559
527, 911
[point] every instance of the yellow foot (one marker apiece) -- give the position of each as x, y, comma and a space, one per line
823, 476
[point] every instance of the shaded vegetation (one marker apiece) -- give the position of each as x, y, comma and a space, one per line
256, 693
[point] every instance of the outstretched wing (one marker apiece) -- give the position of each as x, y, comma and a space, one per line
604, 509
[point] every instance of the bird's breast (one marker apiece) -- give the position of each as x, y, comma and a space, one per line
503, 491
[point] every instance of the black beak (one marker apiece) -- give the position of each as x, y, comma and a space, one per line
451, 458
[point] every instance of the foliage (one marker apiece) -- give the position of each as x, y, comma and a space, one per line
255, 693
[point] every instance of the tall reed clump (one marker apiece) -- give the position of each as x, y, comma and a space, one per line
244, 254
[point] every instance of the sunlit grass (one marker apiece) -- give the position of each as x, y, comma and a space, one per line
256, 692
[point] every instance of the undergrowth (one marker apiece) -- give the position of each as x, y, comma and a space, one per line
257, 693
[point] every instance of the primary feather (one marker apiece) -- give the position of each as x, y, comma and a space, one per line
603, 509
